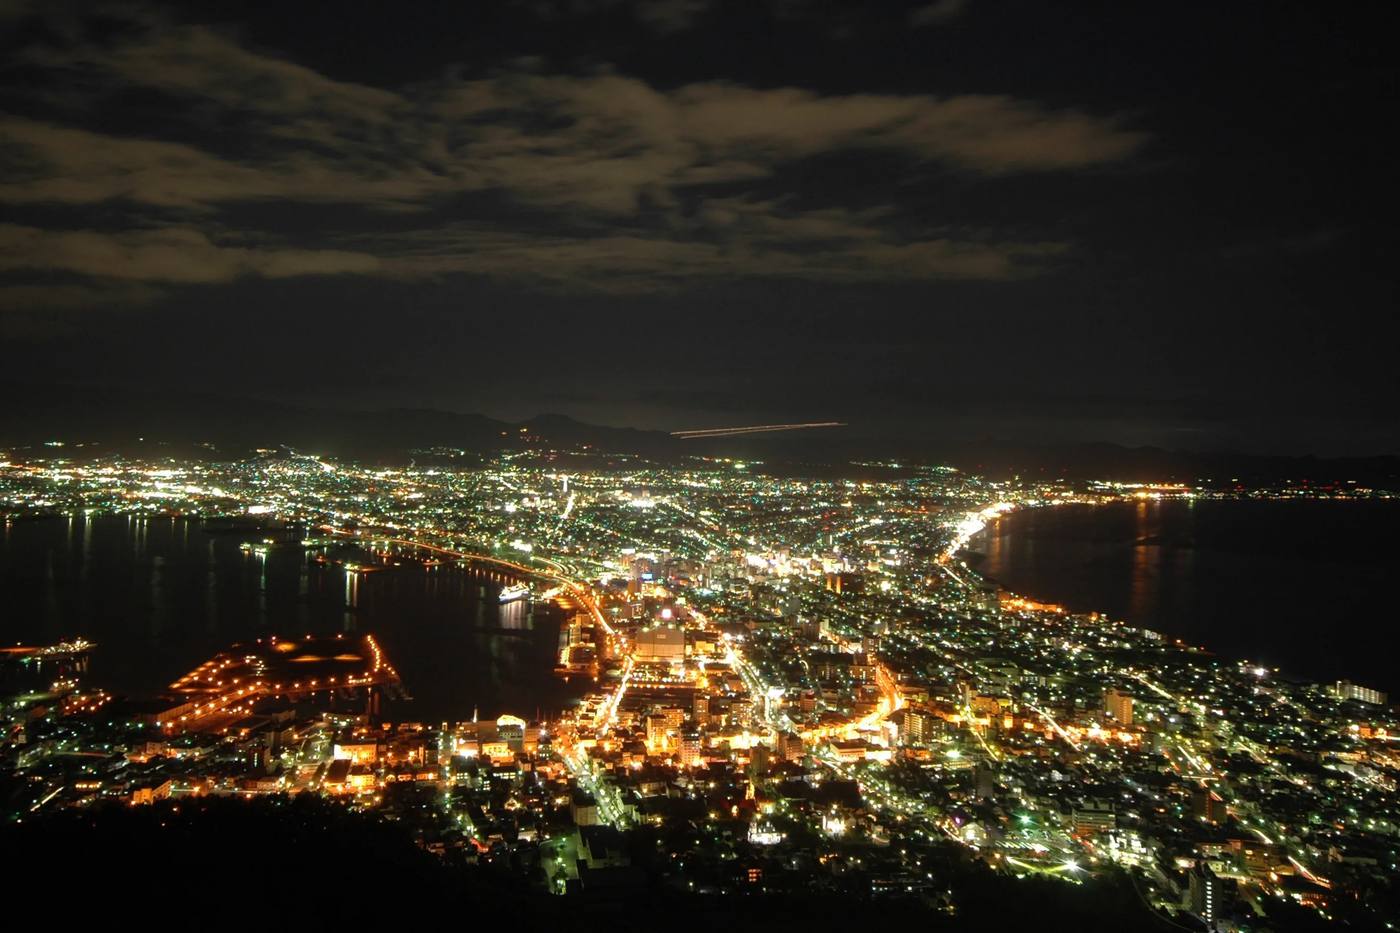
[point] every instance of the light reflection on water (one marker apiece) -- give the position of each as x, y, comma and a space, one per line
1299, 584
160, 595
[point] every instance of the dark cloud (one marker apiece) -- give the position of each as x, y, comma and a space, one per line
681, 208
597, 140
170, 255
648, 163
725, 238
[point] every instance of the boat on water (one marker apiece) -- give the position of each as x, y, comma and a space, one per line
510, 594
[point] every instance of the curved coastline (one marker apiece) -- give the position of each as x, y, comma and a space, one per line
1258, 586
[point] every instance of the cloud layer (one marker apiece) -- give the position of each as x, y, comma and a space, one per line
601, 180
170, 255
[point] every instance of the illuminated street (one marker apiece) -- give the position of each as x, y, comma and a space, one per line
830, 645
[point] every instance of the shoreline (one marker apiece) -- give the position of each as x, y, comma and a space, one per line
973, 555
182, 646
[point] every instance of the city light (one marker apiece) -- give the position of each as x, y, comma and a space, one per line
803, 659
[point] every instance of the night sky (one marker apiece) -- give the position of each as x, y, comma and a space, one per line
1126, 222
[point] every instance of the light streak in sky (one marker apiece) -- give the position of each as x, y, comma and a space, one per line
754, 429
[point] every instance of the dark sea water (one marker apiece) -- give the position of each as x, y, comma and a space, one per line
1308, 586
161, 595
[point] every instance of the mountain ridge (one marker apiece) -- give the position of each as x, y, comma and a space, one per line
119, 418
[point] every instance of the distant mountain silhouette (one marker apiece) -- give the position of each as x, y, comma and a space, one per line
179, 422
130, 419
1155, 464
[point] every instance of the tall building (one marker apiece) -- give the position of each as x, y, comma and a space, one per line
674, 716
1205, 894
511, 730
758, 761
656, 731
690, 748
1346, 690
917, 727
1207, 805
790, 746
1118, 705
1093, 817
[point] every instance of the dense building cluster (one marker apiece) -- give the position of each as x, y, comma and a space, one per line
800, 685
